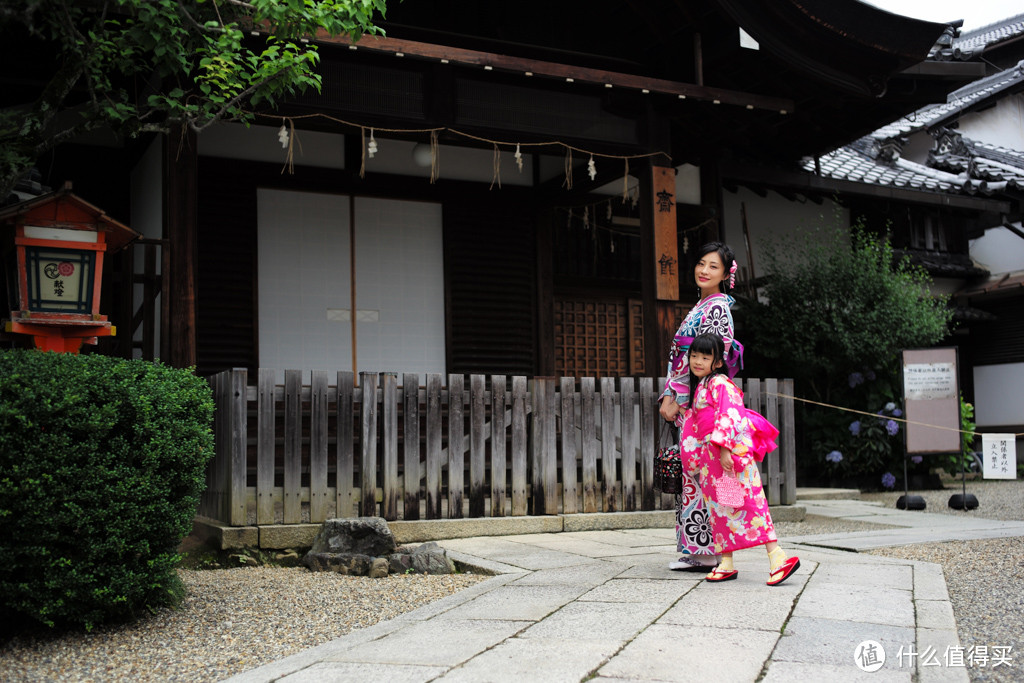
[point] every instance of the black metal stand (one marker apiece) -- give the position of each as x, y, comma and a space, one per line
907, 501
964, 500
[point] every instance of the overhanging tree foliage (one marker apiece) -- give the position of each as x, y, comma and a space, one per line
149, 65
839, 308
839, 301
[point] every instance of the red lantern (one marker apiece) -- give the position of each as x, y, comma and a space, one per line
54, 246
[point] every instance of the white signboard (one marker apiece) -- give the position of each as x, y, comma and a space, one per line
929, 381
999, 453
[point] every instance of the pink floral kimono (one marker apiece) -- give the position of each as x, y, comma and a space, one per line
717, 418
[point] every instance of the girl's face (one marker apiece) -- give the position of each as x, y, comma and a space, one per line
702, 364
709, 273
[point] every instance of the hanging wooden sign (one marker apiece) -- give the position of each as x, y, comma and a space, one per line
666, 251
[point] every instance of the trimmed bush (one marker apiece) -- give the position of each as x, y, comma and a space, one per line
102, 461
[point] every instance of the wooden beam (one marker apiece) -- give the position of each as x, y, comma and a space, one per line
568, 72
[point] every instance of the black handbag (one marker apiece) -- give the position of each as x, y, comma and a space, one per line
668, 470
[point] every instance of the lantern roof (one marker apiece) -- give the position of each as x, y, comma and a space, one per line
64, 209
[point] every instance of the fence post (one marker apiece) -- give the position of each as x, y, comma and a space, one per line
411, 449
608, 443
519, 396
292, 446
432, 486
345, 458
238, 434
368, 446
499, 461
549, 447
787, 445
568, 405
477, 445
588, 446
771, 390
265, 446
389, 427
628, 441
318, 447
456, 445
647, 442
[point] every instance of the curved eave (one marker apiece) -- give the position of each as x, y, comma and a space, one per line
845, 42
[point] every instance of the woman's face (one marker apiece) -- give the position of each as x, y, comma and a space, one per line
709, 273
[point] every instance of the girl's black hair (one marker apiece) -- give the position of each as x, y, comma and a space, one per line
712, 345
724, 253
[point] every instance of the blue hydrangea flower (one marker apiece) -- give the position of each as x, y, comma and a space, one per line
855, 379
897, 413
892, 427
855, 427
916, 459
834, 456
890, 406
888, 480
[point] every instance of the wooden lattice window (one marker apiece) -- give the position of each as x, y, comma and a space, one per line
593, 338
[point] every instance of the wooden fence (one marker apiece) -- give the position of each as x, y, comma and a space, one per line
500, 446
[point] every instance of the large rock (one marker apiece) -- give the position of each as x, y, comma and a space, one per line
427, 558
358, 547
360, 535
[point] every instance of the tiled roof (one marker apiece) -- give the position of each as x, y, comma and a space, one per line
972, 43
856, 163
958, 101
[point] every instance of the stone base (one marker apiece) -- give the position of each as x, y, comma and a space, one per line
281, 536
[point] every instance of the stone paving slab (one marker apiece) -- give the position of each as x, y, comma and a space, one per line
736, 605
668, 653
835, 642
358, 671
584, 622
662, 592
585, 576
516, 602
422, 643
788, 672
530, 659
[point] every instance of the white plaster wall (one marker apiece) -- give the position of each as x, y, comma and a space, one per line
997, 397
400, 275
146, 218
1001, 125
305, 284
769, 218
999, 250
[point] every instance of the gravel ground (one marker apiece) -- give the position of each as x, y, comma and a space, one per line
985, 579
233, 620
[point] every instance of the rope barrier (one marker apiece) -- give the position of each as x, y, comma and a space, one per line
880, 417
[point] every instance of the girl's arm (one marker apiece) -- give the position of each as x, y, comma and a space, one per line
731, 432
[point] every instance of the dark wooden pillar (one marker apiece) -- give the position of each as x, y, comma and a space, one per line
179, 175
545, 296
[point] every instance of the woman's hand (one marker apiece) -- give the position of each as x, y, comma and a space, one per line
669, 408
725, 457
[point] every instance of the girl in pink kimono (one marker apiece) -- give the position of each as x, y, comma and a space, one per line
720, 440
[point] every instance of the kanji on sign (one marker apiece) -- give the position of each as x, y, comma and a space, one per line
664, 200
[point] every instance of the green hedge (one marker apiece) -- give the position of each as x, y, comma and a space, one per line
102, 461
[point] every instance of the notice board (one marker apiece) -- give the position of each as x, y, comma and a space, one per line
931, 395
